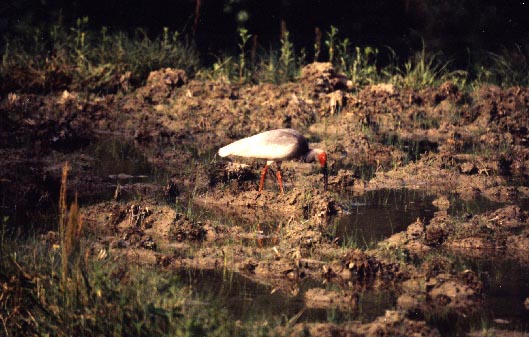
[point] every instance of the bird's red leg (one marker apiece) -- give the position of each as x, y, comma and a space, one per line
263, 175
279, 178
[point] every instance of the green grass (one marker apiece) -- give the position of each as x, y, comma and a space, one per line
359, 64
505, 69
81, 59
116, 298
426, 70
76, 58
270, 66
108, 296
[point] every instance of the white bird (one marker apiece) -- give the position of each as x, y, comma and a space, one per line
276, 146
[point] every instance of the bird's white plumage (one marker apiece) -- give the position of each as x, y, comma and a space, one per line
277, 145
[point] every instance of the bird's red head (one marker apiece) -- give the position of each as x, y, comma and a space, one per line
322, 157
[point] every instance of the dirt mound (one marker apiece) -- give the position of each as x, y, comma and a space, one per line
161, 85
319, 298
393, 323
322, 77
462, 292
505, 229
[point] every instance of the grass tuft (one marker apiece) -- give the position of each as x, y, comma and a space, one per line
505, 69
79, 59
426, 70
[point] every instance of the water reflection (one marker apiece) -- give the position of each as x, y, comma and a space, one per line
378, 214
506, 287
114, 157
247, 300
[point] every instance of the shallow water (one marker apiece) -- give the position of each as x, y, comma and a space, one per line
506, 287
376, 215
119, 160
248, 300
413, 148
478, 205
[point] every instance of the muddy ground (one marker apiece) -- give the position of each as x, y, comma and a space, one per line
196, 210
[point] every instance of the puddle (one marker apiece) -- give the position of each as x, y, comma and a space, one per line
371, 217
413, 148
247, 300
506, 287
111, 161
116, 161
378, 214
119, 160
480, 204
459, 207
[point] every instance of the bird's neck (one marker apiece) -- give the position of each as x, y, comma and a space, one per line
316, 154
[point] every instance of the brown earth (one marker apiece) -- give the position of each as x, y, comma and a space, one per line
448, 142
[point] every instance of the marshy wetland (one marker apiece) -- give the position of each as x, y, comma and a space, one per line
118, 217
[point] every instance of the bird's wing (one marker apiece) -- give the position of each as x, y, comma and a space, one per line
274, 145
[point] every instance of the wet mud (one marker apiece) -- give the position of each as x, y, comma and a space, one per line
151, 187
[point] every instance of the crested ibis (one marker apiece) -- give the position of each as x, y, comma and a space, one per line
276, 146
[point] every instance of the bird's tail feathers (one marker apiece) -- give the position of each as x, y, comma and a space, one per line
225, 151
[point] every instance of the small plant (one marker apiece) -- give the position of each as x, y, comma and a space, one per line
278, 66
359, 65
362, 69
225, 68
267, 68
302, 58
73, 270
343, 54
80, 40
424, 70
317, 44
507, 69
331, 42
287, 67
245, 36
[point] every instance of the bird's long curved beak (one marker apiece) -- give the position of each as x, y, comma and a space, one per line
322, 158
325, 177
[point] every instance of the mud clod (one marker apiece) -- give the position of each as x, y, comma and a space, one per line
161, 84
343, 180
392, 323
455, 293
323, 299
360, 264
462, 292
186, 229
323, 78
435, 234
415, 231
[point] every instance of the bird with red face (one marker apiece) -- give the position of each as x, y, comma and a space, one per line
277, 146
